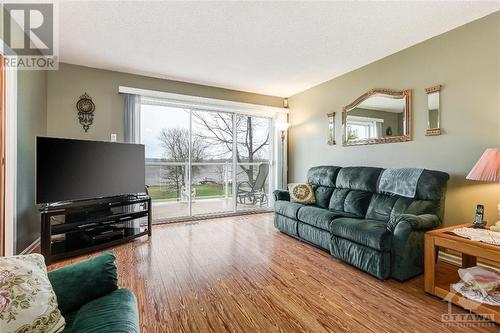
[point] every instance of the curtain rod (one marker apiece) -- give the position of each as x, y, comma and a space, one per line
201, 101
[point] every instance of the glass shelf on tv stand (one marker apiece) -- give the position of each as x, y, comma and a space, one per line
64, 227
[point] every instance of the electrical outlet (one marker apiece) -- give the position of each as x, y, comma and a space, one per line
113, 137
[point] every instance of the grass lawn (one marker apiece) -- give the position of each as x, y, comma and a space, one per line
164, 193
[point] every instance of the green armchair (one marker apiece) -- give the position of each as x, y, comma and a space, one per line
90, 300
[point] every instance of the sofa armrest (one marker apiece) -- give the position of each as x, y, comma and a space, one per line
407, 249
415, 222
281, 195
77, 284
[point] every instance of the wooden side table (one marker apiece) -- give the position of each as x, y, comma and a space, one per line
438, 278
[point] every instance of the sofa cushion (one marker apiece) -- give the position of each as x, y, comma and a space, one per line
287, 208
338, 198
401, 205
359, 178
350, 203
381, 206
286, 224
356, 203
420, 207
318, 217
323, 195
363, 257
371, 233
431, 185
314, 235
323, 175
114, 312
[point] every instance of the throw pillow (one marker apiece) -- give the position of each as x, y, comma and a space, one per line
302, 193
27, 301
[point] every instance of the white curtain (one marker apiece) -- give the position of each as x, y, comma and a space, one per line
131, 134
131, 118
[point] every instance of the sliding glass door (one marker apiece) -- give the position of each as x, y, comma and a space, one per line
253, 162
205, 162
211, 162
165, 134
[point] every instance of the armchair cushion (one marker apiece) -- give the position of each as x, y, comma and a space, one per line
77, 284
114, 312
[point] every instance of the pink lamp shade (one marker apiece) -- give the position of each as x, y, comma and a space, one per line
487, 169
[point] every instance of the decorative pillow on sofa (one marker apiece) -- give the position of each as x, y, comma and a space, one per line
301, 193
27, 301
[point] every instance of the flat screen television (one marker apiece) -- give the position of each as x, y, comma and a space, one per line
70, 170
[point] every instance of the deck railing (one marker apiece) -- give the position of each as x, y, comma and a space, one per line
224, 178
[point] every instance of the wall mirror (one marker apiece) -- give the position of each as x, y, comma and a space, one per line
331, 128
433, 110
378, 116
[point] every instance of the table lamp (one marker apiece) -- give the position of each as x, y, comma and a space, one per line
487, 169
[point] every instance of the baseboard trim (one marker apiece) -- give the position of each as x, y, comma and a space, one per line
31, 247
209, 216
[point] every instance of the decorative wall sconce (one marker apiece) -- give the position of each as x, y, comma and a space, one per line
86, 108
331, 128
433, 110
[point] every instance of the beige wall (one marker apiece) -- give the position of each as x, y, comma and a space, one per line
31, 121
467, 62
71, 81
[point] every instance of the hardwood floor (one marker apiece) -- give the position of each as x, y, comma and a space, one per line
239, 274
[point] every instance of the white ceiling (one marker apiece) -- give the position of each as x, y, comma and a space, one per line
274, 48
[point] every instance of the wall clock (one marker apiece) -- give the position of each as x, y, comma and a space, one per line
86, 108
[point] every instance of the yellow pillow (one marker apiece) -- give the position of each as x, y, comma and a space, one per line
302, 193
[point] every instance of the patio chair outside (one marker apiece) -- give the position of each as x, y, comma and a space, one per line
254, 193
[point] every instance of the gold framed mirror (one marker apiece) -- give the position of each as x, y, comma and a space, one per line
433, 110
331, 128
377, 116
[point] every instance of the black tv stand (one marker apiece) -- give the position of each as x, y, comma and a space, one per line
74, 228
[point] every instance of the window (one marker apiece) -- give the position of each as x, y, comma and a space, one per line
205, 162
360, 128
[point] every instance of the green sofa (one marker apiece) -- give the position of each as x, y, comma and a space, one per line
378, 232
90, 300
